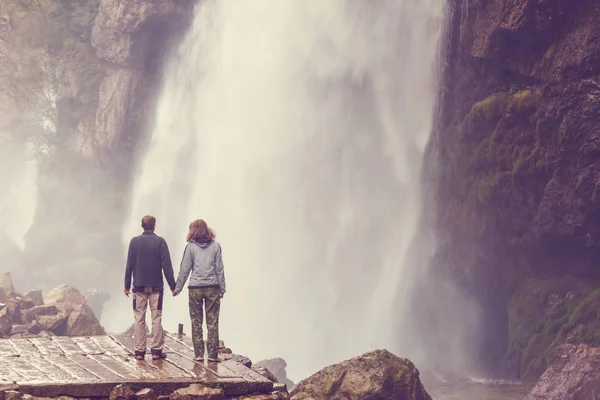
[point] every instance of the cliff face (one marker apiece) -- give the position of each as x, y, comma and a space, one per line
517, 187
82, 76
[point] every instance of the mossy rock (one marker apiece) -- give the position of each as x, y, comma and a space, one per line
378, 374
544, 314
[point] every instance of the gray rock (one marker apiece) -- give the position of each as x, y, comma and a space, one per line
277, 367
376, 375
5, 321
36, 296
198, 392
55, 323
13, 306
264, 372
64, 294
12, 395
18, 329
34, 312
146, 394
245, 361
83, 322
122, 392
573, 374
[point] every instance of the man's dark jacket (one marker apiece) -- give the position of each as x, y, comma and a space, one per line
147, 258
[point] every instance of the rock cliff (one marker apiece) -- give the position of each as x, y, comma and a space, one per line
80, 79
517, 176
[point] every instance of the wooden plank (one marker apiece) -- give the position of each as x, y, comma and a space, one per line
67, 345
128, 342
111, 346
65, 363
196, 370
46, 346
116, 366
102, 371
23, 346
7, 349
8, 373
178, 346
87, 345
53, 372
256, 382
28, 372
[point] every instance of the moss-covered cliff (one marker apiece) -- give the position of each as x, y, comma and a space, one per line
517, 145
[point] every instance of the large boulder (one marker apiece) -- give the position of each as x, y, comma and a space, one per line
198, 392
35, 296
277, 367
574, 374
83, 322
64, 294
5, 321
56, 324
375, 375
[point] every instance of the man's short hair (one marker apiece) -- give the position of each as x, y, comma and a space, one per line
148, 223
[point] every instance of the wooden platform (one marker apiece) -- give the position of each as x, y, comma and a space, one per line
93, 366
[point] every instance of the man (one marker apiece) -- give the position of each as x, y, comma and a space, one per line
147, 259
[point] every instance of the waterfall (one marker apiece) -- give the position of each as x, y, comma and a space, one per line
296, 129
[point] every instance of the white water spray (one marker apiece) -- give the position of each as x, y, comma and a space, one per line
296, 129
19, 196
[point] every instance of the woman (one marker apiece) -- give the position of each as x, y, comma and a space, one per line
202, 257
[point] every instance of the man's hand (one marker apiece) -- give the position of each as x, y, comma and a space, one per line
174, 293
221, 294
126, 291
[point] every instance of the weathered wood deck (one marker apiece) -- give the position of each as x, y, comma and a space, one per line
93, 366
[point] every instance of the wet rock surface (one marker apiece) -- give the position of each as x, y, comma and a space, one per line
573, 374
375, 375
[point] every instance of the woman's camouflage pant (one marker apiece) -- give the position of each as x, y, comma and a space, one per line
210, 296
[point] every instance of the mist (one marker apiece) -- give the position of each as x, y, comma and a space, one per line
297, 131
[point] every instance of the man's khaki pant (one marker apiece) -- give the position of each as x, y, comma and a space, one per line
140, 303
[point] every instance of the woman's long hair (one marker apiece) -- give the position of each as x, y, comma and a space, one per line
200, 232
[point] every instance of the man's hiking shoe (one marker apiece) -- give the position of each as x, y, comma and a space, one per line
199, 358
158, 355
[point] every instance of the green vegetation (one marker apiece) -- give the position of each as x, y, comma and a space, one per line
537, 328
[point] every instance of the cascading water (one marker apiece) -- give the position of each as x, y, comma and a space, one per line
297, 129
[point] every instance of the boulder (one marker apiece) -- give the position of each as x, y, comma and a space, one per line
83, 322
146, 394
13, 306
122, 392
34, 312
375, 375
245, 361
35, 296
198, 392
271, 396
54, 323
6, 283
265, 372
18, 329
12, 395
5, 321
573, 374
277, 367
64, 294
